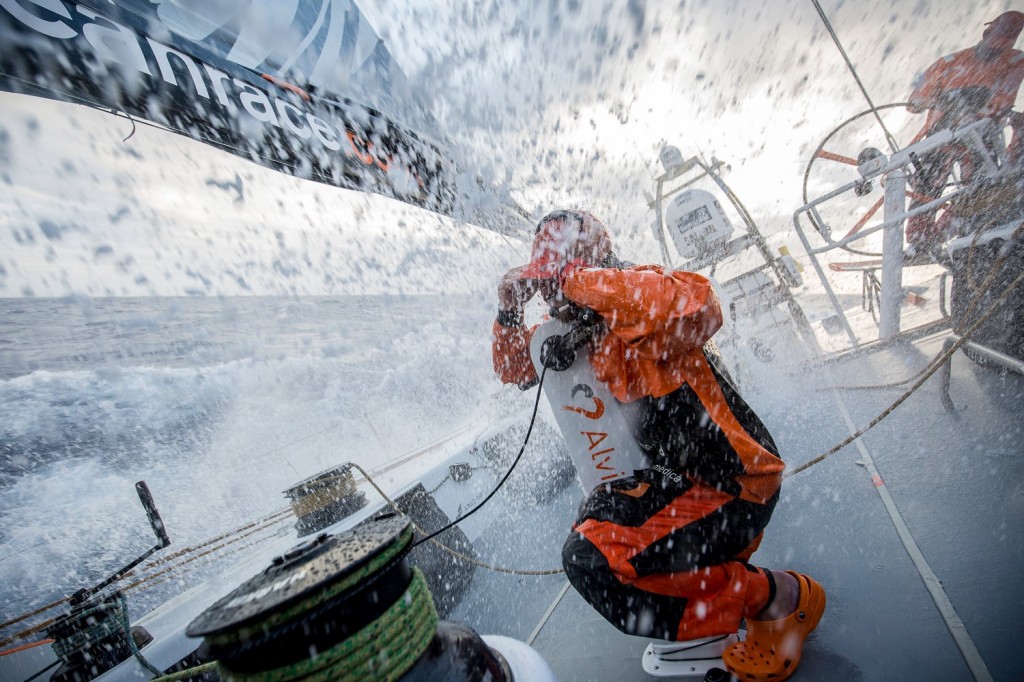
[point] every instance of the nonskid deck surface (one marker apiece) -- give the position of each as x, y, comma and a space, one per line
955, 482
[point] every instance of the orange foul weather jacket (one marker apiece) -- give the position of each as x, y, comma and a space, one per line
657, 327
987, 86
957, 90
664, 553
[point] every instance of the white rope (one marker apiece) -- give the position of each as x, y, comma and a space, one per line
931, 581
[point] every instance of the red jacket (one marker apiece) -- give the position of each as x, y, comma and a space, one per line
657, 326
1001, 76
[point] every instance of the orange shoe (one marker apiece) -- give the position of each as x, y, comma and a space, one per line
771, 651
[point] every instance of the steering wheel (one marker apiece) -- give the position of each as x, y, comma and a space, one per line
834, 163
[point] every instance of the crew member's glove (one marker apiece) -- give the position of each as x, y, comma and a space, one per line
513, 293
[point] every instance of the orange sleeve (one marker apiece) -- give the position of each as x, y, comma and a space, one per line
1006, 84
656, 315
510, 352
927, 87
1002, 76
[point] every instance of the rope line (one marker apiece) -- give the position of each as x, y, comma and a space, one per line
127, 629
25, 647
464, 557
41, 609
835, 38
39, 674
933, 367
187, 673
992, 273
526, 440
173, 569
271, 519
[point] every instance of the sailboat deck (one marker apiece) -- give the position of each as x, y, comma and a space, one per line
915, 531
954, 480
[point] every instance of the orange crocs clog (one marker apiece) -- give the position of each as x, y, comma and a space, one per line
771, 652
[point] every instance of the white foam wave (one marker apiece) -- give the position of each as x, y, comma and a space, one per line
217, 445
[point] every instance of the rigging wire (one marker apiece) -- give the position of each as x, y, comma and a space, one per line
828, 25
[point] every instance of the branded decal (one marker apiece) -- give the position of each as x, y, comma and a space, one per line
71, 52
588, 392
599, 458
668, 473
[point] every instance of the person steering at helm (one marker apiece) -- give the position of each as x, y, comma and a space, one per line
665, 553
976, 83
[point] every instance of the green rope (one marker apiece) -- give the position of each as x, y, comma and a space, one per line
84, 637
187, 673
113, 622
126, 626
282, 617
383, 650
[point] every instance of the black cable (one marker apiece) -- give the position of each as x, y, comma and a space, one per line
29, 679
133, 126
526, 440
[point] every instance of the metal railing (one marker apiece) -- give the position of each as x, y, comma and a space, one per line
894, 170
752, 238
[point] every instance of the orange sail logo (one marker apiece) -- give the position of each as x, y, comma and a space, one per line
602, 459
588, 392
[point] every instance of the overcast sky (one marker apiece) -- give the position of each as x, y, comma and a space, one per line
576, 98
569, 100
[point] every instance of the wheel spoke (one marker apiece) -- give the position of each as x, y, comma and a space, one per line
865, 218
920, 197
829, 156
838, 149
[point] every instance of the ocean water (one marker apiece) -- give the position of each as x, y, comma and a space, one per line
218, 404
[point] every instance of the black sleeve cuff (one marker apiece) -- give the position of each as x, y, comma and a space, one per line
529, 384
510, 318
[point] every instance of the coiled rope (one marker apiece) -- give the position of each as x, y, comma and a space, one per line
95, 624
382, 650
192, 553
465, 557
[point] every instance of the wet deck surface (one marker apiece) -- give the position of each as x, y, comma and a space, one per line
957, 481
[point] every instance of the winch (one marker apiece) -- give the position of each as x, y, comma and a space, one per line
342, 607
325, 498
